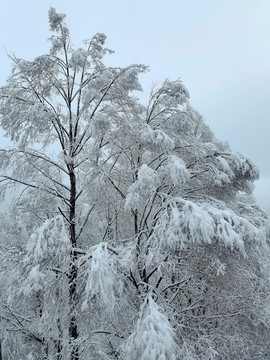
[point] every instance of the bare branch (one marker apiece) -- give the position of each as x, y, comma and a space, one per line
85, 221
41, 188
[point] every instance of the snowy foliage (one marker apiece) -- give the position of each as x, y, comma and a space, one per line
78, 58
144, 186
135, 234
35, 281
55, 19
244, 166
153, 336
176, 171
182, 228
51, 239
100, 277
48, 245
171, 94
156, 137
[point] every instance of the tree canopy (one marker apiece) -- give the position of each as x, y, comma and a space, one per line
134, 234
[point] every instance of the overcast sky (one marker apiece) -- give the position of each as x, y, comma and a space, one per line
220, 49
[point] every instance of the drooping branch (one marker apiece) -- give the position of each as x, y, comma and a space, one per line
30, 185
84, 138
116, 188
17, 325
47, 176
84, 222
108, 333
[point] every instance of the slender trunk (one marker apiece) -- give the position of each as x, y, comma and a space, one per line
44, 340
136, 228
45, 347
73, 274
58, 342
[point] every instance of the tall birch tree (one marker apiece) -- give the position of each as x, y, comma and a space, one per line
63, 99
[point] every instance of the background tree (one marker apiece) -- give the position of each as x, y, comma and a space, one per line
135, 234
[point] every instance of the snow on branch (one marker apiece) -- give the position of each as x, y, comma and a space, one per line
244, 166
182, 227
145, 185
157, 138
35, 281
50, 239
100, 277
47, 245
153, 336
55, 19
176, 170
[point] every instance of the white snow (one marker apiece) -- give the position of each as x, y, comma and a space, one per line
153, 336
100, 277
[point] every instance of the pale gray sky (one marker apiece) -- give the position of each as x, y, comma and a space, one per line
220, 49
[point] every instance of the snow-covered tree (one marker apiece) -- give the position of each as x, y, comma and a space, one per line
134, 235
65, 99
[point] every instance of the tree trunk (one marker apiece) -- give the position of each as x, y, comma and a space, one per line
73, 273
